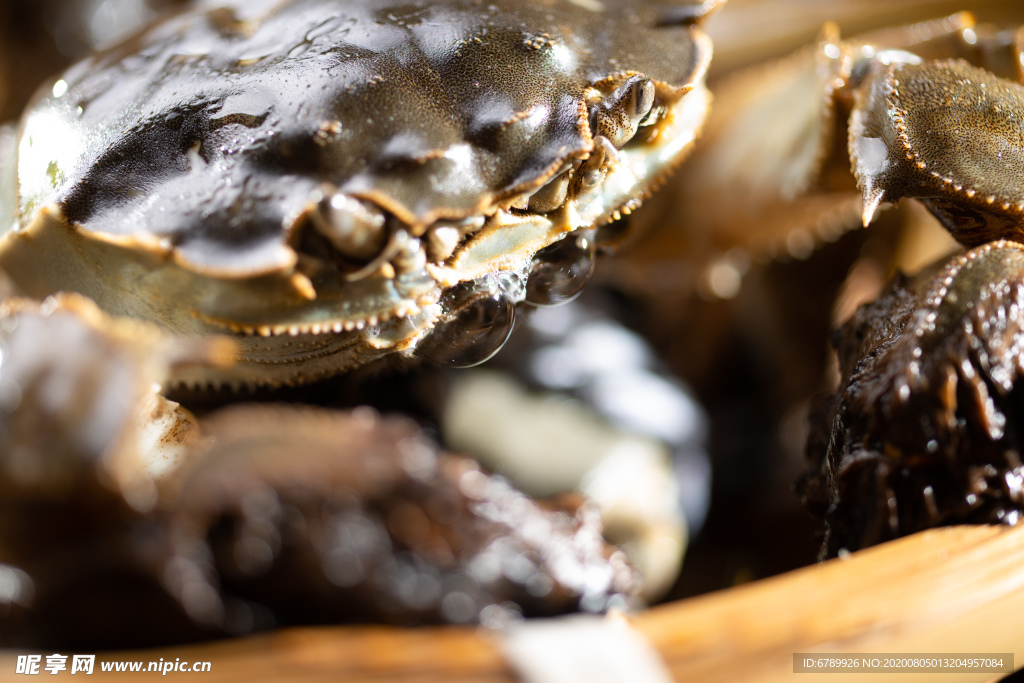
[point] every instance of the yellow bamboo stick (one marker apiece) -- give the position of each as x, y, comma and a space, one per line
958, 589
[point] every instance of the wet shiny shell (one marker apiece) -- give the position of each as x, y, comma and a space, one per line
178, 178
923, 430
966, 173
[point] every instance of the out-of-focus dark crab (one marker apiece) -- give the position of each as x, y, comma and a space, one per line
257, 515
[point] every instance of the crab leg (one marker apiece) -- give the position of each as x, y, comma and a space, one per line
946, 133
769, 179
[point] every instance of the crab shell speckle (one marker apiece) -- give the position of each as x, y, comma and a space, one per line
966, 171
329, 180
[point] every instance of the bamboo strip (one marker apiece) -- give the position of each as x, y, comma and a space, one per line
958, 589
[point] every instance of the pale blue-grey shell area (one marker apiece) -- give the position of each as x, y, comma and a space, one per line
214, 128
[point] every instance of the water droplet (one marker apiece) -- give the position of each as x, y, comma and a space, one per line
474, 335
561, 270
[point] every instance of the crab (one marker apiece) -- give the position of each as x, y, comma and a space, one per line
251, 517
264, 195
923, 428
331, 187
333, 183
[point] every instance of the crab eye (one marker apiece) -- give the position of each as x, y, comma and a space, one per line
617, 116
474, 335
561, 271
642, 99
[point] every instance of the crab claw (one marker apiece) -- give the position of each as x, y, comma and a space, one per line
870, 160
947, 133
922, 429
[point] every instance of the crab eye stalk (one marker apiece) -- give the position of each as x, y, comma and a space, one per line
617, 116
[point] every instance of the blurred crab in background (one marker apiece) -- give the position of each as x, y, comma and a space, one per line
800, 152
278, 194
